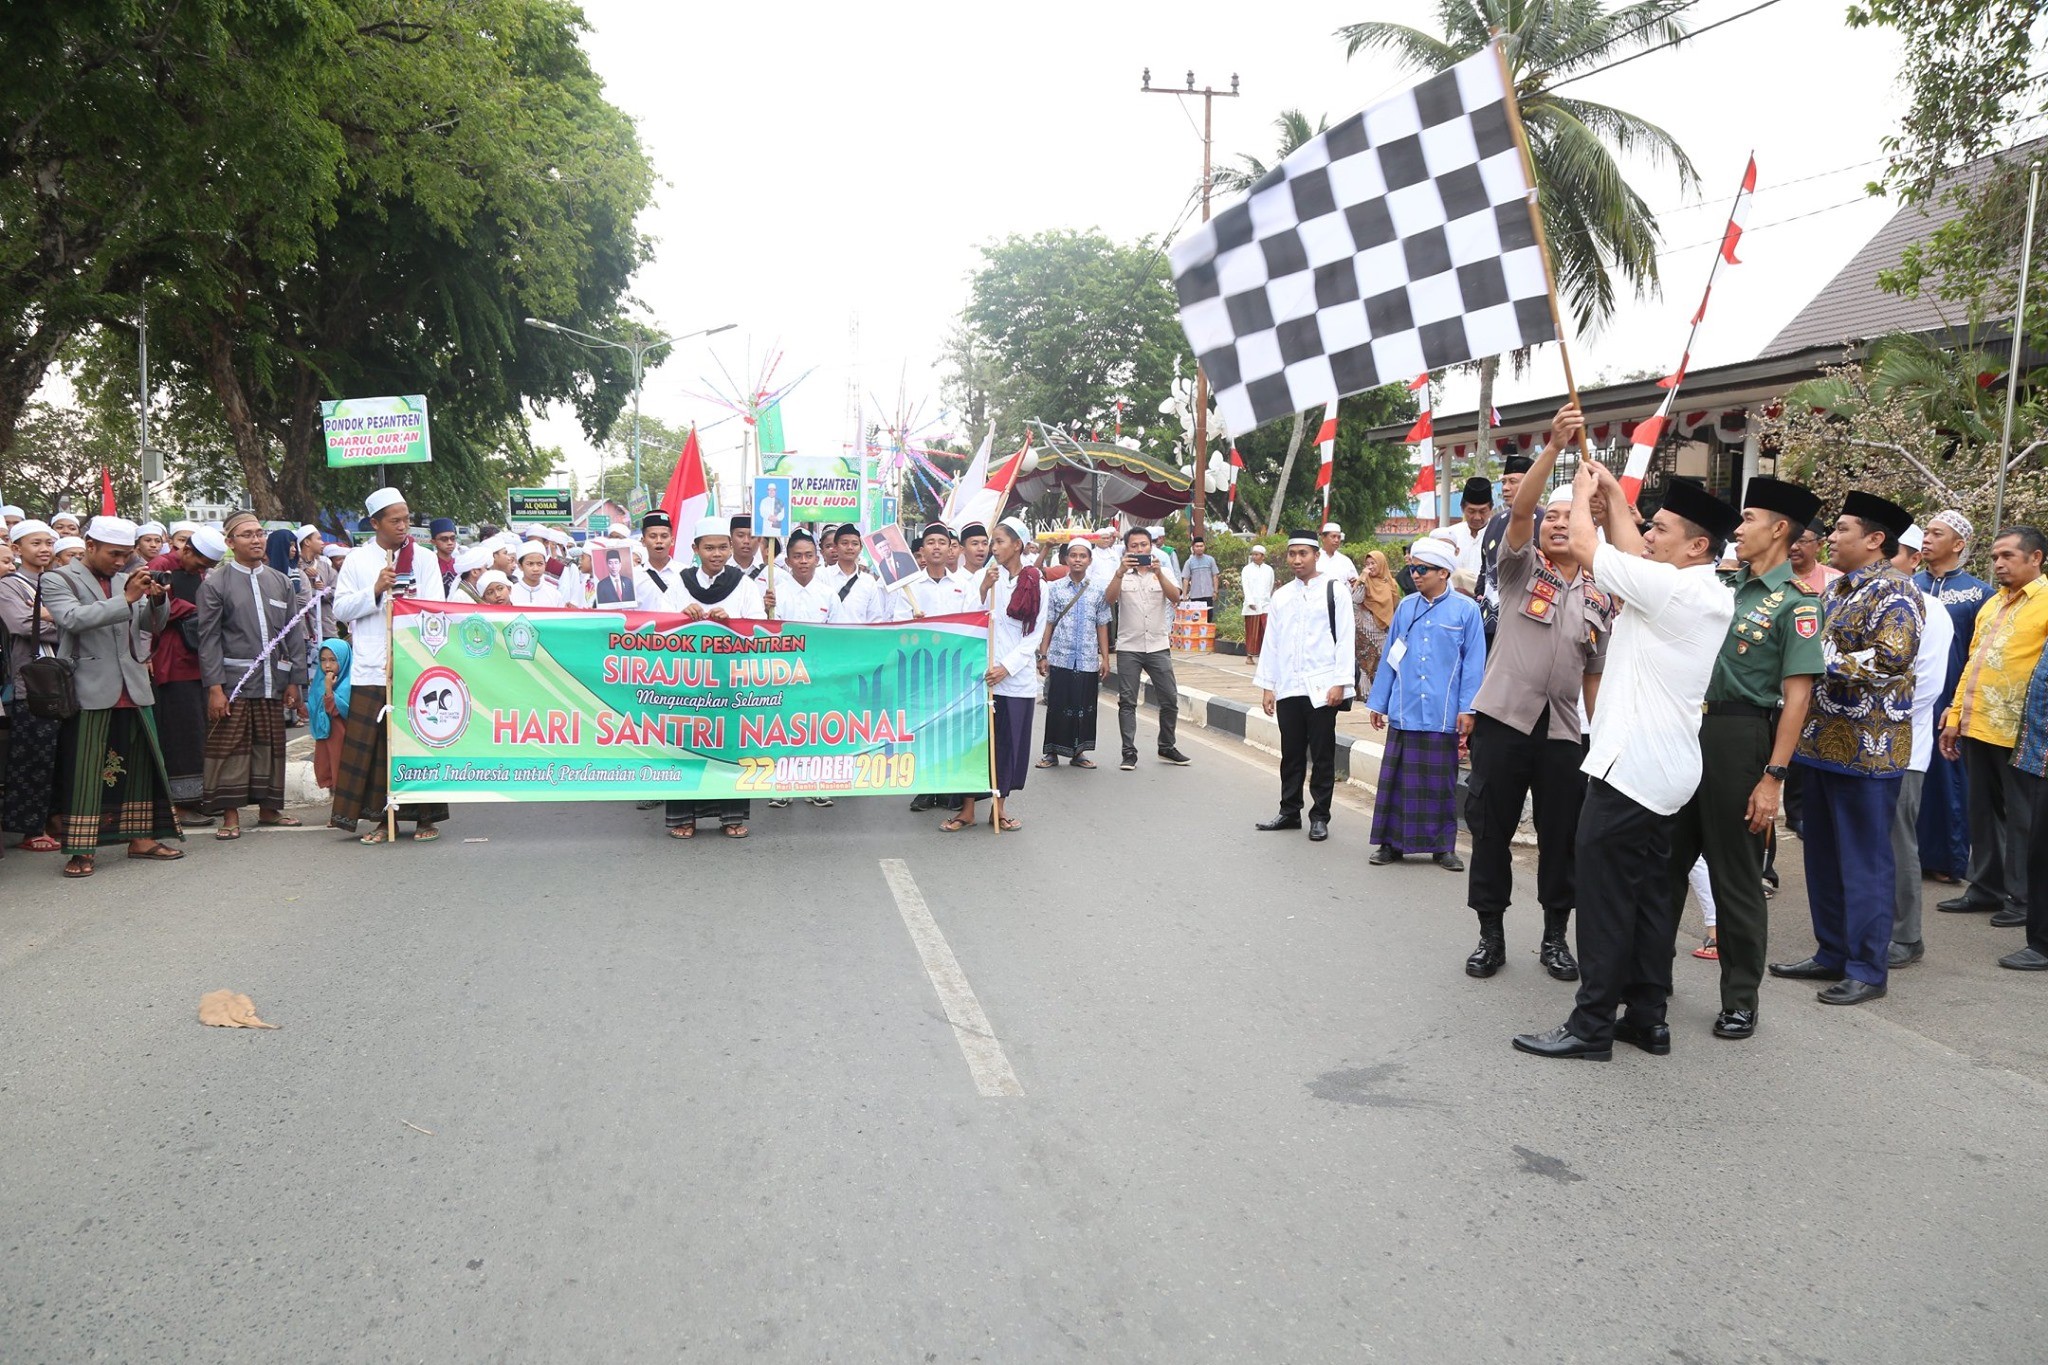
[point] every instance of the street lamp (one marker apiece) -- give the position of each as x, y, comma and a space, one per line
638, 350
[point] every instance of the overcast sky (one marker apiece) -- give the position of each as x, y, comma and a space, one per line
822, 164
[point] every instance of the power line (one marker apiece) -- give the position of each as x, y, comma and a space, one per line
1669, 42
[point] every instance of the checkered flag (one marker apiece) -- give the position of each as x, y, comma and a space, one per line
1399, 241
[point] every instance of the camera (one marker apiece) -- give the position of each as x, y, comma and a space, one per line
1142, 561
162, 577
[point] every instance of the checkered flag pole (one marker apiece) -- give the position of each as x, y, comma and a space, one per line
1404, 239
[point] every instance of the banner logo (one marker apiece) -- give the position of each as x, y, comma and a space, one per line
438, 708
476, 636
434, 633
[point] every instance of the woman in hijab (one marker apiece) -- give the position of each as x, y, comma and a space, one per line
1373, 598
327, 709
281, 552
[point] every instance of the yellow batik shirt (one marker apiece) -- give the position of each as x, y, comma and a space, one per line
1992, 692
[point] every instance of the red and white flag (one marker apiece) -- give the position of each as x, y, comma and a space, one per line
1236, 468
1643, 444
1327, 439
987, 505
687, 499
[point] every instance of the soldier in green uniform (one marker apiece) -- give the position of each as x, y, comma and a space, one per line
1756, 704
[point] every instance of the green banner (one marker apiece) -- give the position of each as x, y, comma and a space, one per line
511, 704
364, 431
768, 429
821, 487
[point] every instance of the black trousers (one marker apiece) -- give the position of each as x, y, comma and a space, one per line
2033, 792
1733, 752
1308, 743
2000, 827
1507, 766
1628, 931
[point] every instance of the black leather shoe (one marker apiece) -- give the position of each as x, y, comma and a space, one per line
1488, 957
1383, 855
1450, 862
1654, 1039
2007, 918
1904, 954
1806, 969
1962, 905
1318, 830
1557, 959
1279, 822
1735, 1024
1561, 1042
2026, 960
1848, 992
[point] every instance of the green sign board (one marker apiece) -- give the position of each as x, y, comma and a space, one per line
821, 487
504, 704
600, 523
534, 506
768, 429
371, 431
638, 502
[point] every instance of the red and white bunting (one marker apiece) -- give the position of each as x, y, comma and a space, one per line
1643, 443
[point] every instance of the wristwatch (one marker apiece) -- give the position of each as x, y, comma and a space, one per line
1776, 770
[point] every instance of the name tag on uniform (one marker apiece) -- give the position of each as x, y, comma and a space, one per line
275, 603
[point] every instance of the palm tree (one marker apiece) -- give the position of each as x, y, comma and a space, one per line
1294, 131
1602, 235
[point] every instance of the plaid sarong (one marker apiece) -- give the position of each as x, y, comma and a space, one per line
111, 786
1415, 809
364, 783
245, 756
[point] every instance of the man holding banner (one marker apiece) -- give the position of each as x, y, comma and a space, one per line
370, 577
716, 590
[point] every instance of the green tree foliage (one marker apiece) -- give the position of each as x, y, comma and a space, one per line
1970, 70
1368, 478
661, 445
57, 457
1064, 323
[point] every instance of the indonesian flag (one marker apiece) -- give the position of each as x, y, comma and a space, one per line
1425, 481
1327, 439
1236, 468
687, 499
987, 505
1643, 442
107, 493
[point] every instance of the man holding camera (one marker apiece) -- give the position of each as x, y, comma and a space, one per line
1143, 594
372, 574
111, 786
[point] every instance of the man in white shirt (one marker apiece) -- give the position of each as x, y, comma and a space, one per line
1643, 755
1333, 562
388, 564
937, 591
658, 537
1256, 579
1307, 671
715, 590
1930, 669
531, 588
804, 594
861, 599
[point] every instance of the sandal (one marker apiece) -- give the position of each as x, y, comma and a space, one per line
79, 866
228, 832
1047, 762
157, 853
1081, 763
425, 834
375, 836
683, 832
41, 843
1710, 950
953, 826
735, 831
281, 822
1010, 826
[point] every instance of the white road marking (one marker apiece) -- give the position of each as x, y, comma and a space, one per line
985, 1059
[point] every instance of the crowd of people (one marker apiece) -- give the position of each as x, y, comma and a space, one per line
153, 672
1660, 695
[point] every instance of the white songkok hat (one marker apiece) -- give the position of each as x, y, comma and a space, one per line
208, 543
186, 526
711, 526
1017, 528
1434, 552
1156, 532
305, 531
112, 531
492, 578
71, 517
150, 528
382, 499
1329, 526
533, 547
1913, 539
554, 534
30, 527
10, 510
1561, 493
1256, 549
474, 557
68, 543
336, 552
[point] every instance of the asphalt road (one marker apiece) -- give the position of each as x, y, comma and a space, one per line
704, 1102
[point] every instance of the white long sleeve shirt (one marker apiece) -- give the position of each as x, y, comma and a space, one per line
356, 602
1258, 588
862, 603
652, 595
923, 595
812, 602
1930, 669
1301, 656
543, 594
1011, 645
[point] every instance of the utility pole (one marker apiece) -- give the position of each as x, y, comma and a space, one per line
1209, 97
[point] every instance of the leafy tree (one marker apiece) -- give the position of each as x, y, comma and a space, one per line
136, 128
1368, 478
58, 454
1603, 237
1071, 321
661, 445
